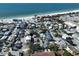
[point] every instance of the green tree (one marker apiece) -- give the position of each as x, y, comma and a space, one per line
53, 47
66, 53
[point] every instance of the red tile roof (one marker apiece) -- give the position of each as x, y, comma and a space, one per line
44, 54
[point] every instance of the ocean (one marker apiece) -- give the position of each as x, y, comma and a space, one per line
18, 9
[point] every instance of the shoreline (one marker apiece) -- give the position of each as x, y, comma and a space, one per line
41, 14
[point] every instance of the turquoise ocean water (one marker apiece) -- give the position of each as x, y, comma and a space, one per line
18, 9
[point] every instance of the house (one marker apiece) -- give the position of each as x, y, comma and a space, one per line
15, 53
69, 31
4, 38
64, 36
77, 29
27, 39
60, 26
7, 33
70, 24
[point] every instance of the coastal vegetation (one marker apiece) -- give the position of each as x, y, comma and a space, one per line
66, 53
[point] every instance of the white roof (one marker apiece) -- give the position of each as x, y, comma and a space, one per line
70, 23
50, 27
64, 36
27, 38
70, 31
42, 35
16, 53
77, 29
25, 50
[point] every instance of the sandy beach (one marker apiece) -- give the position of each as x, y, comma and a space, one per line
28, 17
